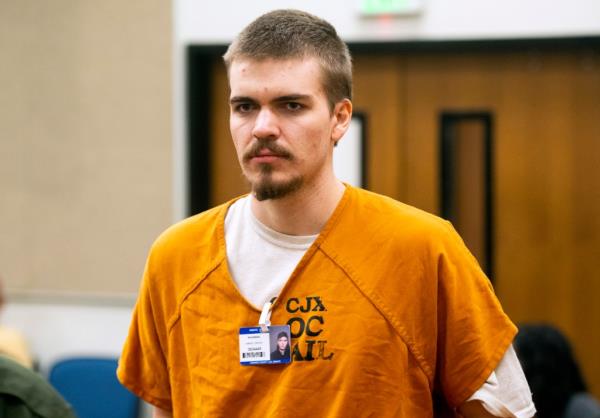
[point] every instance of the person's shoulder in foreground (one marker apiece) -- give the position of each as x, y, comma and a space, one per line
557, 380
26, 394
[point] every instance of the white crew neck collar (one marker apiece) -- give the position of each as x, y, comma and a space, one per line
294, 242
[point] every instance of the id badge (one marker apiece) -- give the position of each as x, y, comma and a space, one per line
258, 347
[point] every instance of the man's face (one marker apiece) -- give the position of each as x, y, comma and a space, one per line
282, 343
281, 124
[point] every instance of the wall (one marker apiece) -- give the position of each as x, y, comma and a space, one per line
85, 130
85, 165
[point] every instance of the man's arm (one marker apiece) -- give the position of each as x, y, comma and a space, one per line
504, 394
474, 409
160, 413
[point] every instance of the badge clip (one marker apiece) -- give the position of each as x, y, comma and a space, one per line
265, 316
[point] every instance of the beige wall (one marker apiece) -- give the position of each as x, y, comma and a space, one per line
85, 142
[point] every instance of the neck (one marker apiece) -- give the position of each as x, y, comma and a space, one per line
303, 212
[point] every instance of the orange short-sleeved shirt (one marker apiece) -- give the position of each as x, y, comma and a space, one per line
390, 316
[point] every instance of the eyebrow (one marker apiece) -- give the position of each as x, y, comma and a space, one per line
280, 99
241, 99
292, 98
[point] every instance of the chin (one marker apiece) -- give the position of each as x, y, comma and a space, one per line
267, 189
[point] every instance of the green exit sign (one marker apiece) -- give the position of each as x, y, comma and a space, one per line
387, 7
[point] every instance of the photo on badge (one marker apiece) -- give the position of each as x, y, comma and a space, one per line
280, 344
259, 348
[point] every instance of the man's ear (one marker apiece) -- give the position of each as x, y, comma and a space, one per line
342, 115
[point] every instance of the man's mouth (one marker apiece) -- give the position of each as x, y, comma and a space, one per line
267, 157
264, 153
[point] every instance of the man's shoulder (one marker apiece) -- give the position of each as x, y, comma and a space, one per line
184, 252
385, 215
373, 229
197, 230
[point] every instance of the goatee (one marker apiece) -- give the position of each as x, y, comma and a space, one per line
266, 188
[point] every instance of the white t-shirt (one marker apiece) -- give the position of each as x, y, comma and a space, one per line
261, 260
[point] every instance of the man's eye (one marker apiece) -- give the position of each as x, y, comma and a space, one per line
243, 107
294, 106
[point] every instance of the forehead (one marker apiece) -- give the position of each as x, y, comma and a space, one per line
248, 77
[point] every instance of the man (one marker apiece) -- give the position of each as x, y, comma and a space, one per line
282, 351
389, 314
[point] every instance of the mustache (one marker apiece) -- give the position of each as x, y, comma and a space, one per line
260, 145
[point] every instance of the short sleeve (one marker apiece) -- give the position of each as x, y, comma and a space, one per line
473, 330
506, 392
142, 365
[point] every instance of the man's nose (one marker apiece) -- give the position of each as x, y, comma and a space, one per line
266, 125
